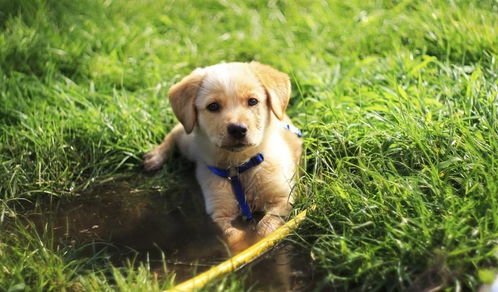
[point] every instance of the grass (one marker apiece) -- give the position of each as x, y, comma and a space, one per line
398, 101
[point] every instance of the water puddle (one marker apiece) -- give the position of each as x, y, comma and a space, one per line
144, 217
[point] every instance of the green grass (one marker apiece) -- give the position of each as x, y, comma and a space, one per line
398, 101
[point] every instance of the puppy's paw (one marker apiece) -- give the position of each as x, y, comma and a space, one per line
237, 239
233, 234
154, 159
267, 225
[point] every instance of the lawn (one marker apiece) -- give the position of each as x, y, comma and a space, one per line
397, 100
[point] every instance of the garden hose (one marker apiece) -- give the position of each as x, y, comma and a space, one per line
239, 260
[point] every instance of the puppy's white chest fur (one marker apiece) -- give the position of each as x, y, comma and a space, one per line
264, 185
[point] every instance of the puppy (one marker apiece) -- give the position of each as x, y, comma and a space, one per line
233, 125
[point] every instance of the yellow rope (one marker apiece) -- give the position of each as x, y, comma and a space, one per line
242, 258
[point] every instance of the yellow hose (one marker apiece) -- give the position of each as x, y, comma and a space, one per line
242, 258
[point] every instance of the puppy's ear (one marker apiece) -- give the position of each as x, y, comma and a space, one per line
182, 98
277, 86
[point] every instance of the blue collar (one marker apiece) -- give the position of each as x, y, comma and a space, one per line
232, 174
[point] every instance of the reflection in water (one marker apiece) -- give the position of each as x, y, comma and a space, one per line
143, 220
286, 268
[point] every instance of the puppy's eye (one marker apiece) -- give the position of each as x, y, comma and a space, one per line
213, 107
252, 101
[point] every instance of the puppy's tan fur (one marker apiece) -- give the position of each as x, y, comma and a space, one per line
202, 137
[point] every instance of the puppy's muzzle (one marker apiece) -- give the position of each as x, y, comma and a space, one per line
237, 131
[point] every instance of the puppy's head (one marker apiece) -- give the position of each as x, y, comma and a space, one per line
231, 104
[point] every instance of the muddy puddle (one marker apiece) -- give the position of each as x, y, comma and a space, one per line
145, 218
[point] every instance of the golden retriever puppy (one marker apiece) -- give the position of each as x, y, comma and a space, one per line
234, 126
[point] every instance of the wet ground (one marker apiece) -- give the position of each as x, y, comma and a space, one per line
144, 220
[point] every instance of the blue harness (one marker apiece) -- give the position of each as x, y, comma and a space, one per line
232, 174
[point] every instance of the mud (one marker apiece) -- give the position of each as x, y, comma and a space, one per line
144, 219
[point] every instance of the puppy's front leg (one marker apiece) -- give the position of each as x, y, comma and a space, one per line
231, 234
237, 239
155, 158
274, 218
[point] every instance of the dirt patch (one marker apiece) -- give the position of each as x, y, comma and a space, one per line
146, 221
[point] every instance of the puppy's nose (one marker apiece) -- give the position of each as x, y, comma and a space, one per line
237, 131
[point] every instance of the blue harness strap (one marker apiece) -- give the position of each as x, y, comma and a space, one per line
235, 181
292, 129
232, 174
